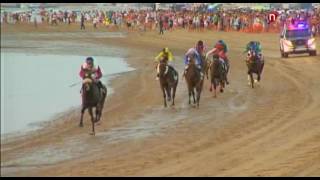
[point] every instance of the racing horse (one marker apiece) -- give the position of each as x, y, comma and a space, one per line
255, 65
92, 97
168, 78
194, 81
218, 74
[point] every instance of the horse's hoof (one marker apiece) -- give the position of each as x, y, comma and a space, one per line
210, 89
80, 125
221, 90
98, 123
92, 133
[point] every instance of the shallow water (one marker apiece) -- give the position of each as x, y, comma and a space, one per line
36, 87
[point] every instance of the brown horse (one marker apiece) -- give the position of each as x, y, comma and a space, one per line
194, 81
92, 97
255, 65
217, 75
168, 78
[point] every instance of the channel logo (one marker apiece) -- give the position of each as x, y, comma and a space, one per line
272, 17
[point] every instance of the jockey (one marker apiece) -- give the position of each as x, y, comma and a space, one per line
165, 55
196, 52
256, 47
96, 72
221, 49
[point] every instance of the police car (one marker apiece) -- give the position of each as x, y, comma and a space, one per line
296, 39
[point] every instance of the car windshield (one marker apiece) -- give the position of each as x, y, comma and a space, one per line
298, 33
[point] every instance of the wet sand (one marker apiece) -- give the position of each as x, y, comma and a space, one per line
272, 130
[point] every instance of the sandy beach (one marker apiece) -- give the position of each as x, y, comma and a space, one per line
272, 130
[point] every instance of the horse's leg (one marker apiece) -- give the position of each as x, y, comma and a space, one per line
251, 80
168, 93
198, 96
215, 88
164, 96
81, 118
174, 93
193, 95
223, 84
258, 76
211, 84
98, 113
92, 121
260, 72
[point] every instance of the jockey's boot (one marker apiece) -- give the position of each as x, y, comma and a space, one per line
200, 71
227, 79
201, 75
185, 70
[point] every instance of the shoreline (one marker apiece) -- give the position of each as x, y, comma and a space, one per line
37, 127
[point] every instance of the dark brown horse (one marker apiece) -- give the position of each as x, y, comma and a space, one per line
168, 78
217, 75
194, 81
255, 65
92, 97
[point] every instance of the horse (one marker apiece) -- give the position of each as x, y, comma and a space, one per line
194, 81
255, 65
218, 75
92, 97
168, 78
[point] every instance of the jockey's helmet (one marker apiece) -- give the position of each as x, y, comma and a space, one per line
166, 49
221, 45
220, 42
200, 45
89, 59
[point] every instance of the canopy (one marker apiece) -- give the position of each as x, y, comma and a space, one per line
260, 7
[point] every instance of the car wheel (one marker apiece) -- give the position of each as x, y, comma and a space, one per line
281, 52
313, 53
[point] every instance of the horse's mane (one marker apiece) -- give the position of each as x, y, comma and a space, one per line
87, 80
